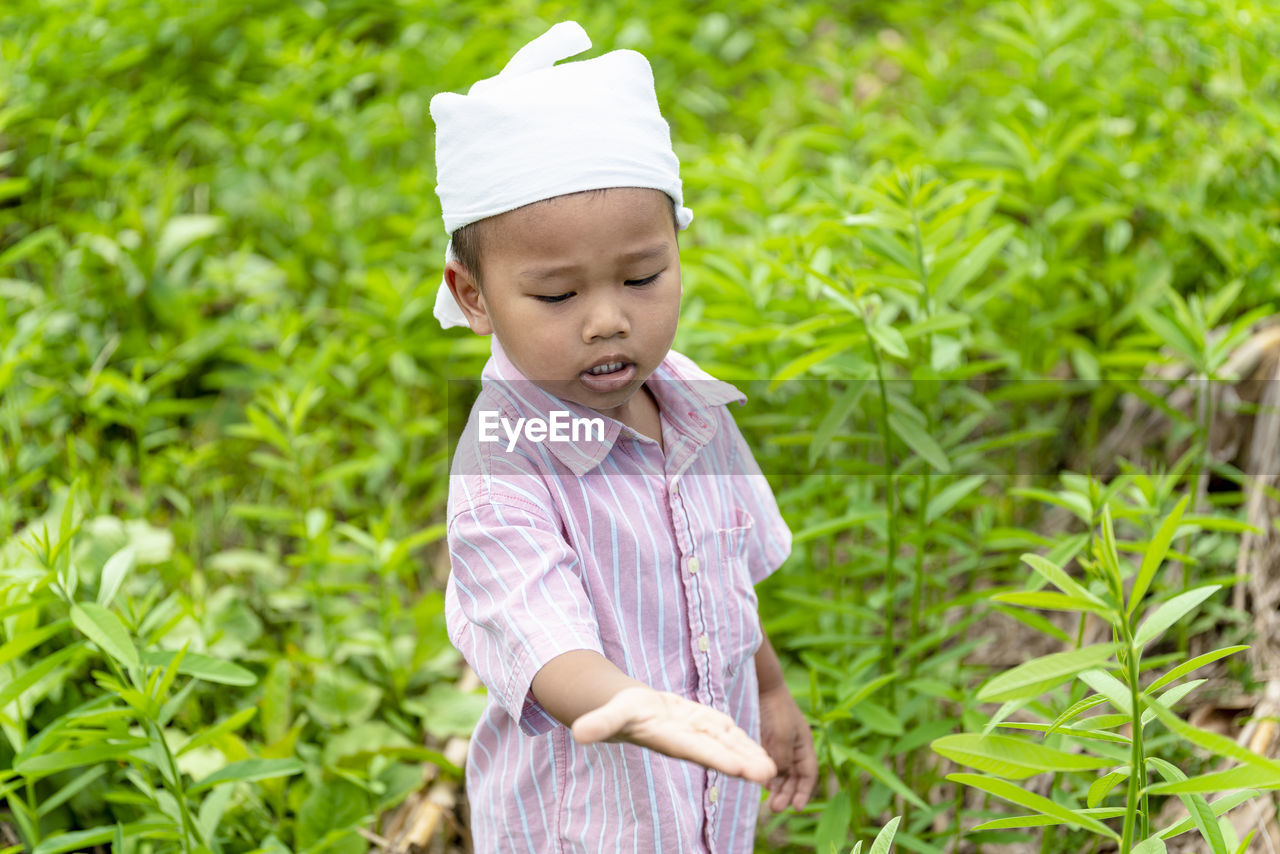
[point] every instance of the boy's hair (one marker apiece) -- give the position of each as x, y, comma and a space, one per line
468, 241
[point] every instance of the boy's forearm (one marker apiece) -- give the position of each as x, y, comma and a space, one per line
768, 668
577, 682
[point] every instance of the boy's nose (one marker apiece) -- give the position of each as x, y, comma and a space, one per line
605, 319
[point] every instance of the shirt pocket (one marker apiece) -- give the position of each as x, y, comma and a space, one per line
739, 632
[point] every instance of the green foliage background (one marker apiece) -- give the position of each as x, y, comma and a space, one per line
223, 395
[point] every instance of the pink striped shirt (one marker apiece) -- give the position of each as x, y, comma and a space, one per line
613, 546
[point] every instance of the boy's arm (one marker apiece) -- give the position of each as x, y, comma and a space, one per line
584, 690
785, 734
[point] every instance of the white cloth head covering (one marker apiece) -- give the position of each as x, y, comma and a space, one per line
539, 130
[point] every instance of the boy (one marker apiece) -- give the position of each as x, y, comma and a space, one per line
602, 591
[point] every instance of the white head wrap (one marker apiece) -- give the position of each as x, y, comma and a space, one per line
539, 130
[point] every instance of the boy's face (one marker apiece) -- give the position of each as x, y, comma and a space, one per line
576, 281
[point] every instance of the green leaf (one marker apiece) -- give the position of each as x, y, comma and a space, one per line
117, 568
1240, 777
1218, 807
248, 770
57, 799
1002, 713
1033, 678
332, 807
973, 263
837, 416
952, 495
29, 245
1101, 787
1172, 335
28, 640
82, 840
49, 763
877, 770
884, 838
889, 340
1049, 601
1074, 711
1110, 556
182, 231
919, 441
1016, 794
1173, 696
877, 718
202, 666
446, 711
1155, 554
42, 668
808, 360
1081, 729
105, 629
209, 734
1116, 692
1188, 667
1214, 743
341, 696
1016, 758
212, 808
1170, 612
1154, 845
1072, 501
865, 690
1197, 807
1017, 821
1058, 577
168, 674
833, 826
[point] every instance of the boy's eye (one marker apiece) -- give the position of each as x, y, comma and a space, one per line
633, 282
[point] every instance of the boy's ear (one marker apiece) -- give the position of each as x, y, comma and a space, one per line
467, 294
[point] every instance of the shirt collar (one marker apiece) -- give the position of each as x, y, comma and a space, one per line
685, 393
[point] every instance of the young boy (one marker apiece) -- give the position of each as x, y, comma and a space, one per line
601, 585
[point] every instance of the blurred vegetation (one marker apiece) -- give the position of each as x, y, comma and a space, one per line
224, 401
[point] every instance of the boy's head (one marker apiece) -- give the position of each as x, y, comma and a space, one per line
566, 167
538, 131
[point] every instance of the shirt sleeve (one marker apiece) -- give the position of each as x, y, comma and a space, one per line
769, 542
514, 601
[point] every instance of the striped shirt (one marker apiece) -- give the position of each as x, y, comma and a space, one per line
611, 545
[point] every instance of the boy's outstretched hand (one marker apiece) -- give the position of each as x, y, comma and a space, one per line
680, 728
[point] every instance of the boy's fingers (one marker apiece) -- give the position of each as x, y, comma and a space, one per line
782, 797
808, 776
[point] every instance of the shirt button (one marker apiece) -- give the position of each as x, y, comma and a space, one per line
713, 794
675, 489
704, 643
693, 565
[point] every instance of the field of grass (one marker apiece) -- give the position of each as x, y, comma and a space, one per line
941, 247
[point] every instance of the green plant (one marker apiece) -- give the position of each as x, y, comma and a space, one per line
1113, 673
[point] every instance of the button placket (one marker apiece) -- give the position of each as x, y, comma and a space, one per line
696, 618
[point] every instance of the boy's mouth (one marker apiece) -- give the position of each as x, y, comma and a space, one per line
608, 376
